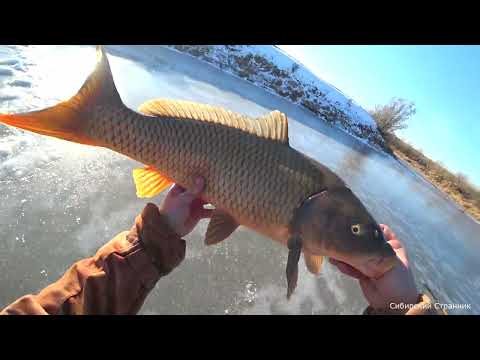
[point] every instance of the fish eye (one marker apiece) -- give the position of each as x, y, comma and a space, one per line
355, 229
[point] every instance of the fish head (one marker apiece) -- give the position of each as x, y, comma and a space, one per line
335, 223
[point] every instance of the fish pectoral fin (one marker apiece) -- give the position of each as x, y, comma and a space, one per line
313, 262
221, 226
295, 249
150, 182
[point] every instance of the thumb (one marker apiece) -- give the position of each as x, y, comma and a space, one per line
368, 286
195, 192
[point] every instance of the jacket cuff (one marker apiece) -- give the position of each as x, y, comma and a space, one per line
162, 244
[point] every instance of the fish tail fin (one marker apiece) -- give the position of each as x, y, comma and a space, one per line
69, 120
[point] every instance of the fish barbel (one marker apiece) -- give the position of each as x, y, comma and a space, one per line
253, 177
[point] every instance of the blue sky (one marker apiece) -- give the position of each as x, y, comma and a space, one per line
442, 81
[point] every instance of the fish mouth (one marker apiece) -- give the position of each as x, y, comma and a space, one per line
376, 267
372, 267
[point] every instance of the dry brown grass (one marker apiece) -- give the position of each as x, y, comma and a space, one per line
457, 187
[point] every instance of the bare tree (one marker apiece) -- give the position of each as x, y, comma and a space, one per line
394, 115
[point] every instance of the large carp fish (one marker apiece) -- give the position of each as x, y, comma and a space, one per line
253, 177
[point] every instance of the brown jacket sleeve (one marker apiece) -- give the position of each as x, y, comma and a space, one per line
117, 279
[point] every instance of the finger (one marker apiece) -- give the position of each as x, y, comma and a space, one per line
200, 202
205, 213
400, 251
197, 203
387, 232
176, 190
190, 195
368, 286
395, 244
150, 213
198, 187
198, 212
347, 269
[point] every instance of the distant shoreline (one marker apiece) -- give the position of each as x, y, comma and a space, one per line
452, 186
276, 72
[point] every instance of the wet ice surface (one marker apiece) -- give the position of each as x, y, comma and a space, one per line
61, 201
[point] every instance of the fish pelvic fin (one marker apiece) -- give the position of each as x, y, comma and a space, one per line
221, 226
69, 119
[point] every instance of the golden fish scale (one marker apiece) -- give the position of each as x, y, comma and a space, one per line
256, 180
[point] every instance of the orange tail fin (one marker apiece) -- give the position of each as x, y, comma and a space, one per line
69, 119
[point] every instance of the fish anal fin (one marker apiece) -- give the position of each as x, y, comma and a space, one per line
221, 226
313, 262
272, 126
150, 182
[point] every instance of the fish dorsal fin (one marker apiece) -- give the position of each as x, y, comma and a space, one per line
273, 126
277, 124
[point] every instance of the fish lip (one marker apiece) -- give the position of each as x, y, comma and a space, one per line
379, 266
371, 267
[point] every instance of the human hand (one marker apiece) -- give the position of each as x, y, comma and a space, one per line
183, 208
395, 286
